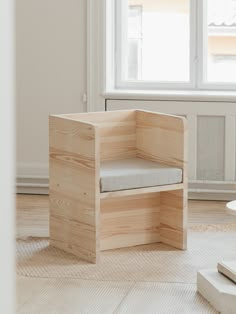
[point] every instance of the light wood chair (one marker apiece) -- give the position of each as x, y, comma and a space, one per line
90, 155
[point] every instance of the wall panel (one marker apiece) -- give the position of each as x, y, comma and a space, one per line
210, 148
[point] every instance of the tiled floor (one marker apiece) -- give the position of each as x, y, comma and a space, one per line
147, 297
71, 296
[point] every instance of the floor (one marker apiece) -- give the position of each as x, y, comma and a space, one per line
68, 296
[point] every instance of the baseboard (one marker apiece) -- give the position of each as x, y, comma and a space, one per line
207, 190
32, 178
212, 190
211, 196
32, 185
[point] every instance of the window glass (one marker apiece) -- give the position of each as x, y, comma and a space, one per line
221, 41
157, 40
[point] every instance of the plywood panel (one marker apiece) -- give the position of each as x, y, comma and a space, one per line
99, 118
117, 140
162, 138
116, 130
130, 220
210, 148
74, 187
173, 218
117, 135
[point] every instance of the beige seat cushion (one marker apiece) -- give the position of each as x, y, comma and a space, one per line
135, 173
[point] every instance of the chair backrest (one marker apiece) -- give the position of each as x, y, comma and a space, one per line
117, 130
118, 136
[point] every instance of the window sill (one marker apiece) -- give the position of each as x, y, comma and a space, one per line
172, 95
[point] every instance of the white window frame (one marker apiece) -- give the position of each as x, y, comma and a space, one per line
202, 44
197, 62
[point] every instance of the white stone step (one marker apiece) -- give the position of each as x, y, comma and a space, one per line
228, 269
218, 290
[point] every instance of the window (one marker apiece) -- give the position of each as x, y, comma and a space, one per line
221, 50
175, 44
135, 42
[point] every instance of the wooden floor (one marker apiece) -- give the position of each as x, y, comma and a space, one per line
33, 214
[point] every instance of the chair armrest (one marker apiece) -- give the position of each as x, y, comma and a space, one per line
162, 138
75, 137
74, 185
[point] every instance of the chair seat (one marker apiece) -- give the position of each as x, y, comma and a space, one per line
116, 175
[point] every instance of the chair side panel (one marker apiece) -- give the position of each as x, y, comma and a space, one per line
173, 218
163, 138
74, 187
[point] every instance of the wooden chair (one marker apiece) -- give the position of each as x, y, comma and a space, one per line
117, 179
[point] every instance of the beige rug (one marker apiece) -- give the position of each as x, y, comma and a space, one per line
155, 262
71, 296
227, 227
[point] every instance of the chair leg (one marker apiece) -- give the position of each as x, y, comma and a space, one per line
173, 218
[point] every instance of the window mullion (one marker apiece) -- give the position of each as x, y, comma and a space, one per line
201, 42
121, 37
193, 44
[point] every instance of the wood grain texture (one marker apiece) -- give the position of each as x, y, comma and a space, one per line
117, 131
74, 187
173, 218
118, 140
130, 220
33, 215
161, 138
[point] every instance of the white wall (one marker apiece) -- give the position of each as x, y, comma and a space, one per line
7, 210
51, 74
